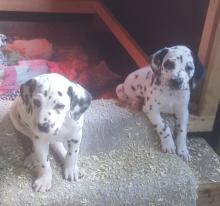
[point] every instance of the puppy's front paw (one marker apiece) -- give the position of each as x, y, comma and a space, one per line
184, 153
43, 183
71, 173
31, 161
168, 146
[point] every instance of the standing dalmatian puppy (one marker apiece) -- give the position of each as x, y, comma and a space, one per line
165, 88
50, 111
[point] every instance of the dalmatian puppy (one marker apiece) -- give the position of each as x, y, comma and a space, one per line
50, 112
164, 86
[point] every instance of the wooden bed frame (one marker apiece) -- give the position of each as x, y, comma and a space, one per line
209, 50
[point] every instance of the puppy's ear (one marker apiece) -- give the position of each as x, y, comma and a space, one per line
80, 99
198, 73
26, 91
157, 58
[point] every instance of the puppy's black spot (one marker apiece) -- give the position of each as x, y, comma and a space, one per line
145, 88
155, 100
70, 153
136, 76
45, 93
42, 166
157, 82
139, 97
49, 97
49, 113
154, 125
60, 93
150, 107
181, 59
47, 158
141, 93
161, 133
19, 116
75, 141
59, 106
54, 101
76, 151
69, 145
133, 88
45, 119
52, 125
161, 90
158, 102
36, 137
148, 98
139, 86
151, 92
181, 130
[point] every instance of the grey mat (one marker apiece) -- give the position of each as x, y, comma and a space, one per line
120, 159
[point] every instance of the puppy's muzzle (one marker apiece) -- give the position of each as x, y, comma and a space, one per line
45, 127
175, 83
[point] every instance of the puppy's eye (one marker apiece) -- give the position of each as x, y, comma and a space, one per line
37, 102
59, 106
169, 65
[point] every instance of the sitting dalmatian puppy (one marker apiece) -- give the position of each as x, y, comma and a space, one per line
165, 88
50, 111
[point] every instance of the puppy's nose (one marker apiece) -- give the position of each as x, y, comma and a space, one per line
44, 127
176, 83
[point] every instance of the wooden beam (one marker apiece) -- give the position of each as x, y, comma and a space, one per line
208, 30
122, 35
200, 123
211, 87
208, 194
50, 6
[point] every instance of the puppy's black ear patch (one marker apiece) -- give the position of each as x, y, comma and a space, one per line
78, 105
157, 58
26, 91
73, 98
198, 73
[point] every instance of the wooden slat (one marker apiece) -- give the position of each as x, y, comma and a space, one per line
209, 194
54, 6
122, 35
200, 123
211, 88
208, 30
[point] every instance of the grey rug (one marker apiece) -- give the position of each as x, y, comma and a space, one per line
120, 160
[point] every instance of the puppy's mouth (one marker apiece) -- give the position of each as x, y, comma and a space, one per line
175, 84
